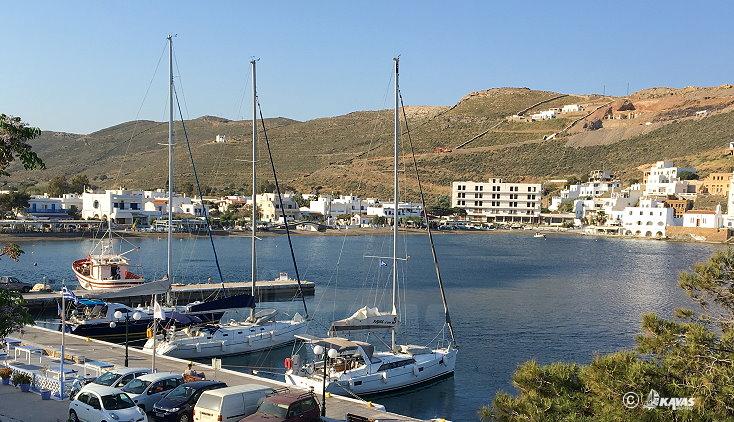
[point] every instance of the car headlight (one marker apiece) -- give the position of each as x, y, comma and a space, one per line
114, 416
174, 410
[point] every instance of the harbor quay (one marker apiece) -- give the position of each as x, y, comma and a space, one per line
265, 291
40, 345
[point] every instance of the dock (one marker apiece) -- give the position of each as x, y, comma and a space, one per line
265, 291
77, 347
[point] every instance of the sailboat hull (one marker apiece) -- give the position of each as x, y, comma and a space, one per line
230, 340
428, 368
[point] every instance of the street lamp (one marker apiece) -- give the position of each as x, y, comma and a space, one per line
331, 353
113, 324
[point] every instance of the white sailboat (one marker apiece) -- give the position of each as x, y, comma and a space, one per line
350, 367
261, 331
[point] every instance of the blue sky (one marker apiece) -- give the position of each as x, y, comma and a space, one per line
80, 66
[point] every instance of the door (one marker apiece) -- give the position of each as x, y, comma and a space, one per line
124, 380
94, 409
79, 406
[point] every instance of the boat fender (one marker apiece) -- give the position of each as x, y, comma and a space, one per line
309, 369
149, 332
224, 345
384, 377
249, 340
288, 363
198, 347
415, 370
351, 383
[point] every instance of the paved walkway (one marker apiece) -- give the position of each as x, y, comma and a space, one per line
17, 406
336, 406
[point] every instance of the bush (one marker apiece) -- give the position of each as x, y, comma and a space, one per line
21, 378
5, 373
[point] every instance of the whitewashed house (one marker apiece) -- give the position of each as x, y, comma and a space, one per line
649, 219
704, 218
121, 206
571, 108
663, 179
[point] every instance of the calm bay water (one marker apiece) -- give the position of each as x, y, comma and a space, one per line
512, 297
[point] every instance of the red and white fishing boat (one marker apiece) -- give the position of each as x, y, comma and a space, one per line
106, 270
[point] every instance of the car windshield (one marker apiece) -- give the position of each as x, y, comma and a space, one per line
275, 409
117, 401
108, 378
136, 386
181, 392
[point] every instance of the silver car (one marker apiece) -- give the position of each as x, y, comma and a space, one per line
12, 283
147, 389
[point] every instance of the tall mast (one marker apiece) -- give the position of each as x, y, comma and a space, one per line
169, 257
254, 181
396, 139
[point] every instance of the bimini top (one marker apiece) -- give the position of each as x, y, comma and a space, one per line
340, 344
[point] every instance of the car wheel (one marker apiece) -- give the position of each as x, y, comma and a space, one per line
184, 418
72, 416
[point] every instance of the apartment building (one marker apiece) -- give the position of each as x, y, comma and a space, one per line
498, 202
663, 179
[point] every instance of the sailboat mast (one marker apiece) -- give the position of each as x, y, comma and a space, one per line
396, 139
169, 257
254, 181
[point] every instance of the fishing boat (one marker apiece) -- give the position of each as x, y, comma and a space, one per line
350, 367
106, 270
262, 330
539, 236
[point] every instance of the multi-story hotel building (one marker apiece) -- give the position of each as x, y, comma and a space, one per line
498, 202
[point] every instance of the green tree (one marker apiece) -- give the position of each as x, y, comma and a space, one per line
74, 212
441, 207
689, 356
300, 200
14, 201
58, 186
187, 188
78, 183
688, 175
13, 312
14, 137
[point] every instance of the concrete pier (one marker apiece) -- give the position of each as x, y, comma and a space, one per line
265, 291
337, 407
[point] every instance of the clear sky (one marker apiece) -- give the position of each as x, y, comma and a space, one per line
80, 66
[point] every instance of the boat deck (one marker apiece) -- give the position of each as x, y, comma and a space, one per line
336, 407
265, 291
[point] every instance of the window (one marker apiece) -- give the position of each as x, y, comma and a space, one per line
94, 402
397, 364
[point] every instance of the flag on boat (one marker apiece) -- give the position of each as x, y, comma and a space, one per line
69, 295
383, 263
158, 311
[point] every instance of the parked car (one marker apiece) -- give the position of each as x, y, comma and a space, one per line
102, 403
231, 403
147, 389
115, 378
178, 405
12, 283
287, 406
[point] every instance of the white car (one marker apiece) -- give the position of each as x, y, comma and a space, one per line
115, 378
100, 403
147, 389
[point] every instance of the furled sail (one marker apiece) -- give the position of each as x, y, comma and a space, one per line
365, 319
223, 304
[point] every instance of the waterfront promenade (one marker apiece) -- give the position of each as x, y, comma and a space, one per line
337, 407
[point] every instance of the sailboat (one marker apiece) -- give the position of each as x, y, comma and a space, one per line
348, 367
95, 318
260, 331
105, 270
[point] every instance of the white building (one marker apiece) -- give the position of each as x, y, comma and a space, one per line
600, 182
119, 205
571, 108
543, 115
497, 201
649, 219
663, 179
156, 203
387, 210
220, 139
704, 218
